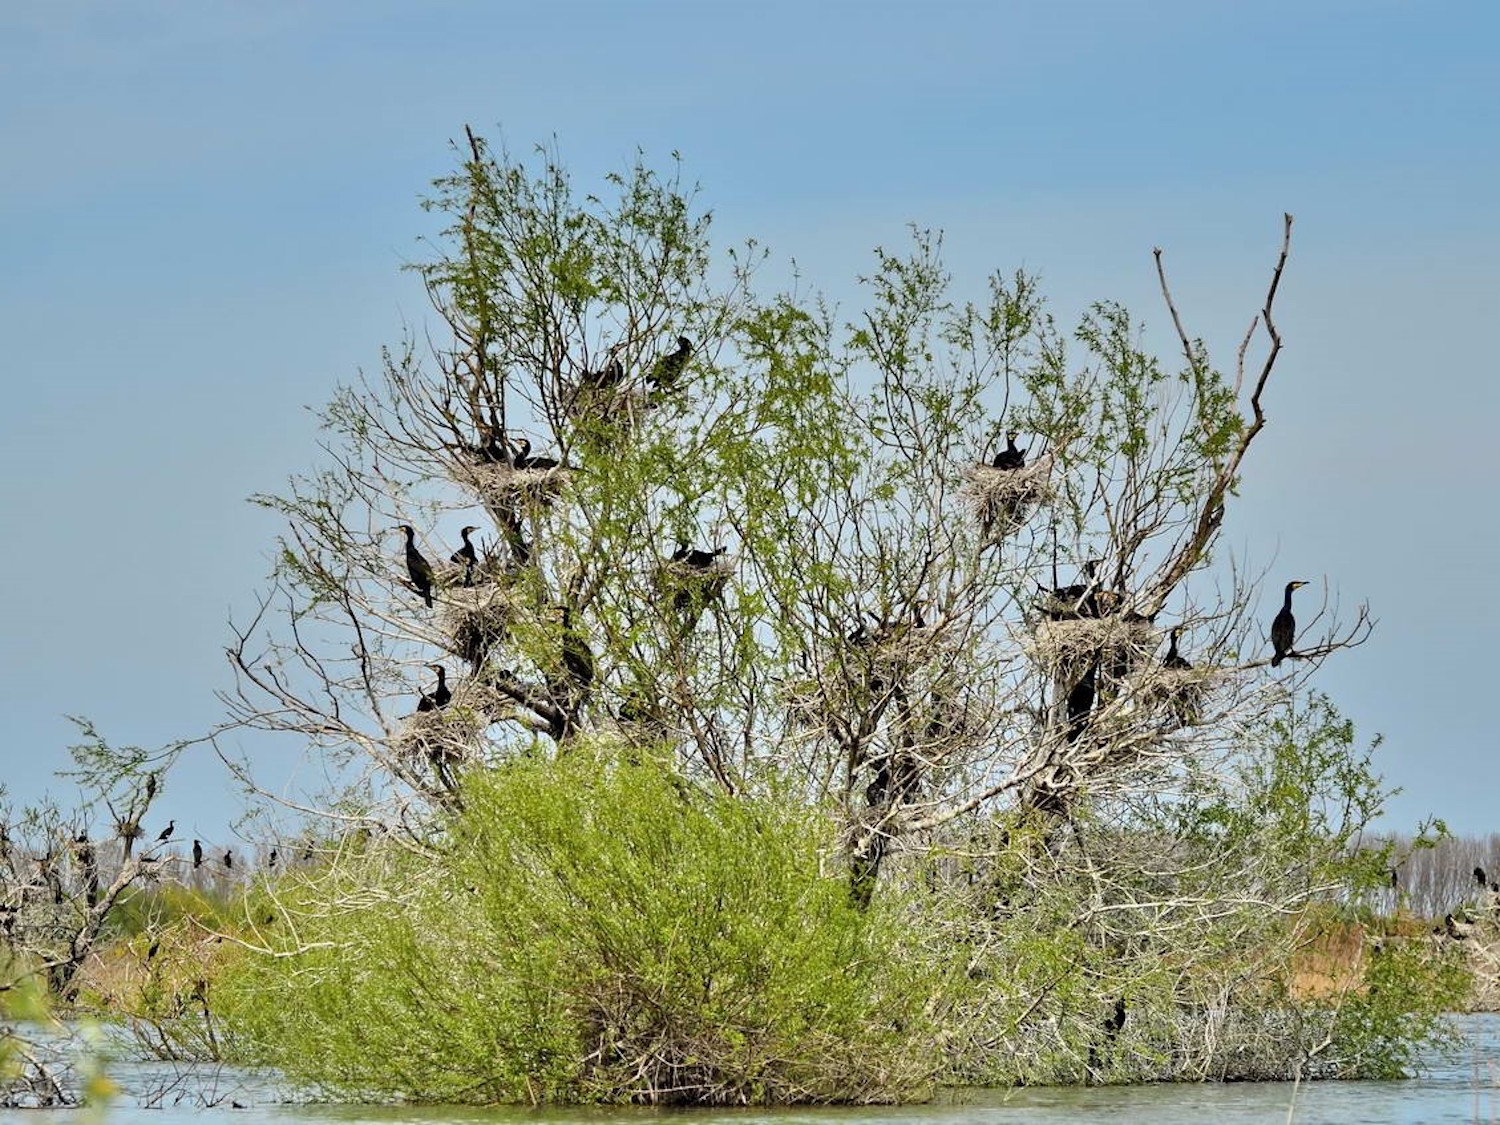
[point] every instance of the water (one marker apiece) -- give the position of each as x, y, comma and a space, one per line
1461, 1088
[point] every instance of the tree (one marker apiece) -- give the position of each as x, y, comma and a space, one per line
777, 550
61, 884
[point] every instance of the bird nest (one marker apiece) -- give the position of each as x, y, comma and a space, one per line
503, 487
452, 733
1003, 499
476, 618
1179, 692
674, 576
1117, 642
611, 405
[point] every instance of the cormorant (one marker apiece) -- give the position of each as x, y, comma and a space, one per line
150, 787
669, 367
577, 657
1010, 457
521, 457
1077, 600
228, 860
272, 862
466, 555
1115, 1021
1174, 659
442, 695
693, 557
197, 855
612, 374
1081, 702
1479, 878
418, 567
166, 833
155, 948
1284, 628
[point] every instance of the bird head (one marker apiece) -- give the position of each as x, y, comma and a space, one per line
684, 345
1297, 585
406, 529
468, 530
436, 668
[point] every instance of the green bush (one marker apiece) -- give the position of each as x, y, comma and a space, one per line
595, 930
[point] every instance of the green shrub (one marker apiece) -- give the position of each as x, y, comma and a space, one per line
595, 931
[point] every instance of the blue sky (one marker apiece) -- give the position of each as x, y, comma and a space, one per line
204, 208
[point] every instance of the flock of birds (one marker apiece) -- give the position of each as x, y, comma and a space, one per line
1089, 599
1084, 599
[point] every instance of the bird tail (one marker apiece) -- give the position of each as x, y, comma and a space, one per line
427, 596
1276, 661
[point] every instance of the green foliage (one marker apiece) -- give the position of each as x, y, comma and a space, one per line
597, 930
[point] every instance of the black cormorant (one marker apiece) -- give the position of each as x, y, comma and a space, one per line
228, 860
1174, 659
1010, 457
578, 659
418, 567
441, 696
1284, 628
1114, 1023
166, 833
1081, 702
669, 367
1479, 878
154, 949
693, 557
1078, 600
150, 787
612, 374
272, 862
521, 457
466, 555
197, 854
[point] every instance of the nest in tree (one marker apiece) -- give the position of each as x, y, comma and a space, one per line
504, 488
609, 405
1003, 499
1068, 648
451, 734
690, 587
1177, 691
477, 618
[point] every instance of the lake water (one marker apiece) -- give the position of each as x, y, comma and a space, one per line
1464, 1087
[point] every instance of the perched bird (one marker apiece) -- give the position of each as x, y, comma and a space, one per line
1010, 457
1479, 878
1114, 1023
272, 861
417, 566
155, 948
1284, 628
669, 367
1078, 600
521, 457
197, 854
578, 659
166, 833
150, 787
1174, 659
228, 860
693, 557
1081, 702
440, 695
466, 555
612, 374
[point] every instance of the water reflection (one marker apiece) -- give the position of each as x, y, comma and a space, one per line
1462, 1088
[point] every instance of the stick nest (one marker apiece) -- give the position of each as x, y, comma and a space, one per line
1116, 641
453, 733
502, 487
1004, 499
476, 618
